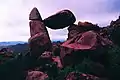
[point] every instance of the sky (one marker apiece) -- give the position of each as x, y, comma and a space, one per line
14, 15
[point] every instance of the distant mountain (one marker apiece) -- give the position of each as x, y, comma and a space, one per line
19, 48
8, 43
11, 43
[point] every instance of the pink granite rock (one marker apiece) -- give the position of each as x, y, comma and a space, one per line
82, 41
39, 40
36, 75
76, 48
74, 29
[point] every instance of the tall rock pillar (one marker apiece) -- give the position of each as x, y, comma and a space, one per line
39, 40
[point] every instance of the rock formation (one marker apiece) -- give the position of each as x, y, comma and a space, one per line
60, 20
84, 39
39, 40
83, 42
86, 46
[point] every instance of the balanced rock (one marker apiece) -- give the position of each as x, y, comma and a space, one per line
35, 15
60, 20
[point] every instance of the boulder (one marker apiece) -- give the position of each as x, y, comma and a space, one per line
48, 58
56, 59
36, 75
86, 41
60, 20
83, 45
74, 29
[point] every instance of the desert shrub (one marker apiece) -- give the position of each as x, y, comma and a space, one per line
115, 35
87, 66
113, 70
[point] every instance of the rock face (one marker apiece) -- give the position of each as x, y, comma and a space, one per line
81, 45
86, 41
60, 20
75, 46
39, 40
82, 41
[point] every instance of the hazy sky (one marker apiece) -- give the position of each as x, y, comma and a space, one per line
14, 23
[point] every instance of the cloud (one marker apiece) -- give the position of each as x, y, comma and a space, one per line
57, 35
14, 23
